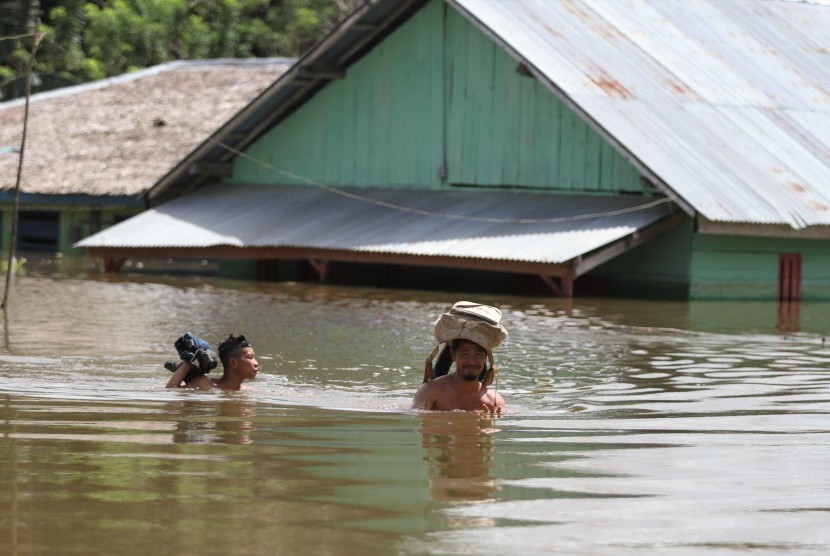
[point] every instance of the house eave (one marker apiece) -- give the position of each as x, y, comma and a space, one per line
705, 226
566, 269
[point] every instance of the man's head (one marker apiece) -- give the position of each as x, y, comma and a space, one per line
238, 359
232, 348
470, 358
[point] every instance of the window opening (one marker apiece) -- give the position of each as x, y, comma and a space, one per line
38, 230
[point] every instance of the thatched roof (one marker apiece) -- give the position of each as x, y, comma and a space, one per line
118, 136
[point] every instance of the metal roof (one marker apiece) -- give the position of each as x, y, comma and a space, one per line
503, 226
723, 103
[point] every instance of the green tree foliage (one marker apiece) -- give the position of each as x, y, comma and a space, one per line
92, 39
16, 17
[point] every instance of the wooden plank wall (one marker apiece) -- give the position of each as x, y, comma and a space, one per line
506, 129
437, 93
734, 267
659, 268
379, 126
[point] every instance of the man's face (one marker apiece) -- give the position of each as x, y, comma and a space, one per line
246, 363
469, 359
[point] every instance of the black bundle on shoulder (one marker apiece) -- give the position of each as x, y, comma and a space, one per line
197, 352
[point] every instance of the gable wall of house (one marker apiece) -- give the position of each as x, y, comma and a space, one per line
437, 103
504, 128
378, 126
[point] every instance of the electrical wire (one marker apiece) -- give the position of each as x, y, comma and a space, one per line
450, 216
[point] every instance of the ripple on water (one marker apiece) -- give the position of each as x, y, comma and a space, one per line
624, 434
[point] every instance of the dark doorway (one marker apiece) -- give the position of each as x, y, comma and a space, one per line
789, 276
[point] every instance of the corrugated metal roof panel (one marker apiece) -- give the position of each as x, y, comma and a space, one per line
726, 102
530, 227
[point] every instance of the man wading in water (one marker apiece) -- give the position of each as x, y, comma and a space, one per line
236, 354
470, 332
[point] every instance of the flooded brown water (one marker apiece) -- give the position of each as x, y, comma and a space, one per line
634, 427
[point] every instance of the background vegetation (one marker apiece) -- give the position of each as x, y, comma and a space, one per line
87, 40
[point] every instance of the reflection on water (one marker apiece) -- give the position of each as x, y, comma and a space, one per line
227, 421
458, 451
632, 427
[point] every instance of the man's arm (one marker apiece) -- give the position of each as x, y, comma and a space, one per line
495, 407
500, 401
180, 374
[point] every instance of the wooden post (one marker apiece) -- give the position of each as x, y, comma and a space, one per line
563, 288
567, 286
36, 38
551, 284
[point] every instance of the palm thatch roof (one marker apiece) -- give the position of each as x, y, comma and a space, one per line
120, 135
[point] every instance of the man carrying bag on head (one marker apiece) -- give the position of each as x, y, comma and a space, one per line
470, 332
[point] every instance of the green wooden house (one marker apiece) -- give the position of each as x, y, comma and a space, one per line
673, 149
93, 150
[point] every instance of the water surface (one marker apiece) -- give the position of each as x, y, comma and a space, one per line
633, 427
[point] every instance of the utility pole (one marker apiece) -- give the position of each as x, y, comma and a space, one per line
36, 38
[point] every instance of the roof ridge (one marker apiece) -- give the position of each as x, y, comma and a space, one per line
147, 72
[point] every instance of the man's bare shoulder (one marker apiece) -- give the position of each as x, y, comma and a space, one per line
428, 392
202, 382
441, 381
436, 383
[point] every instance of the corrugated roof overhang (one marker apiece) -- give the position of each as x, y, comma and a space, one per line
524, 232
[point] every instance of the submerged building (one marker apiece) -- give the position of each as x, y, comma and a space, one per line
673, 149
93, 150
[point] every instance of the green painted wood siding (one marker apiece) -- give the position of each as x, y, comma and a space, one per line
659, 268
685, 265
732, 267
507, 129
436, 92
379, 126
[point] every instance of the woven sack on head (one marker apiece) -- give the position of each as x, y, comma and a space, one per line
471, 321
468, 321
